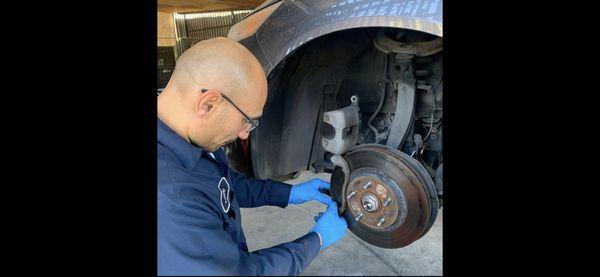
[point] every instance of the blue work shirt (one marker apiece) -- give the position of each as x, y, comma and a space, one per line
199, 224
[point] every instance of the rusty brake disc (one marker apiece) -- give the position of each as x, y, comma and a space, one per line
390, 199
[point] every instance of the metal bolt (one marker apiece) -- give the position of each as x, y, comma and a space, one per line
351, 194
359, 216
367, 185
381, 221
387, 201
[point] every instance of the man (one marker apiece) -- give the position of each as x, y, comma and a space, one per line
215, 95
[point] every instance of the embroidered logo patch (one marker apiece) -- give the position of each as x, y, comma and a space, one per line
224, 188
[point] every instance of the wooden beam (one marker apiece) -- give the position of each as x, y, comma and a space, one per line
185, 9
205, 5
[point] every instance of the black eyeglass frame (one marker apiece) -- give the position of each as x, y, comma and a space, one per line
253, 122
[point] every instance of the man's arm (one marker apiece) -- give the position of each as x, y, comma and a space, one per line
255, 193
193, 241
252, 193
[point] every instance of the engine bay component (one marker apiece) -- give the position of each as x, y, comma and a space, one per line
391, 200
341, 128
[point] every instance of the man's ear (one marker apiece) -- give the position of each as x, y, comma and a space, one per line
207, 102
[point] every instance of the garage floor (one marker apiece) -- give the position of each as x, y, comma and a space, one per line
268, 226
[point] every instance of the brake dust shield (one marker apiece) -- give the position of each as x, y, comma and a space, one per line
390, 200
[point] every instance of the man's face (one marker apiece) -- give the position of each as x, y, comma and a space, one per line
230, 124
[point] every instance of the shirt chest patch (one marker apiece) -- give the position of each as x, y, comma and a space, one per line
224, 189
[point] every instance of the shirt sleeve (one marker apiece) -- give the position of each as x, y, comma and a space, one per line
192, 241
252, 193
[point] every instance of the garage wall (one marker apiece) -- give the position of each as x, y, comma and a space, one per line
179, 31
166, 41
165, 29
194, 27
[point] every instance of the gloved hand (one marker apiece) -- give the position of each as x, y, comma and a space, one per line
330, 226
310, 190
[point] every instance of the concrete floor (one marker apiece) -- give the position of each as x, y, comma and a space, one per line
268, 226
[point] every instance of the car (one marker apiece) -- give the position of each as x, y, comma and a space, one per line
356, 90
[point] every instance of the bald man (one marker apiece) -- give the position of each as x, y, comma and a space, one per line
215, 95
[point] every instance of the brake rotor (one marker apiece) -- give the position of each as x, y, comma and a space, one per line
390, 200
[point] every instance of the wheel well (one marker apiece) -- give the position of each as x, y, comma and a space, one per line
301, 88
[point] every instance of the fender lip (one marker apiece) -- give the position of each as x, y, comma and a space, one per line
295, 23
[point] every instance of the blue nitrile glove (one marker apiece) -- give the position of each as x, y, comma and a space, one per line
310, 190
330, 226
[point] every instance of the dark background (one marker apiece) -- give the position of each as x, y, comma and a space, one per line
80, 144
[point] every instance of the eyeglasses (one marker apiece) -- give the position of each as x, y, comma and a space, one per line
253, 122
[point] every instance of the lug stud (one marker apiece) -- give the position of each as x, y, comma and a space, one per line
360, 215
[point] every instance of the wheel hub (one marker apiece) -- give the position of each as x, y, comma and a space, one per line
370, 202
373, 199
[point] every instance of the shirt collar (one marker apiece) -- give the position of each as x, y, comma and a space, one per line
185, 151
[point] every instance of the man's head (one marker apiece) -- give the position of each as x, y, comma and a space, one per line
193, 105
